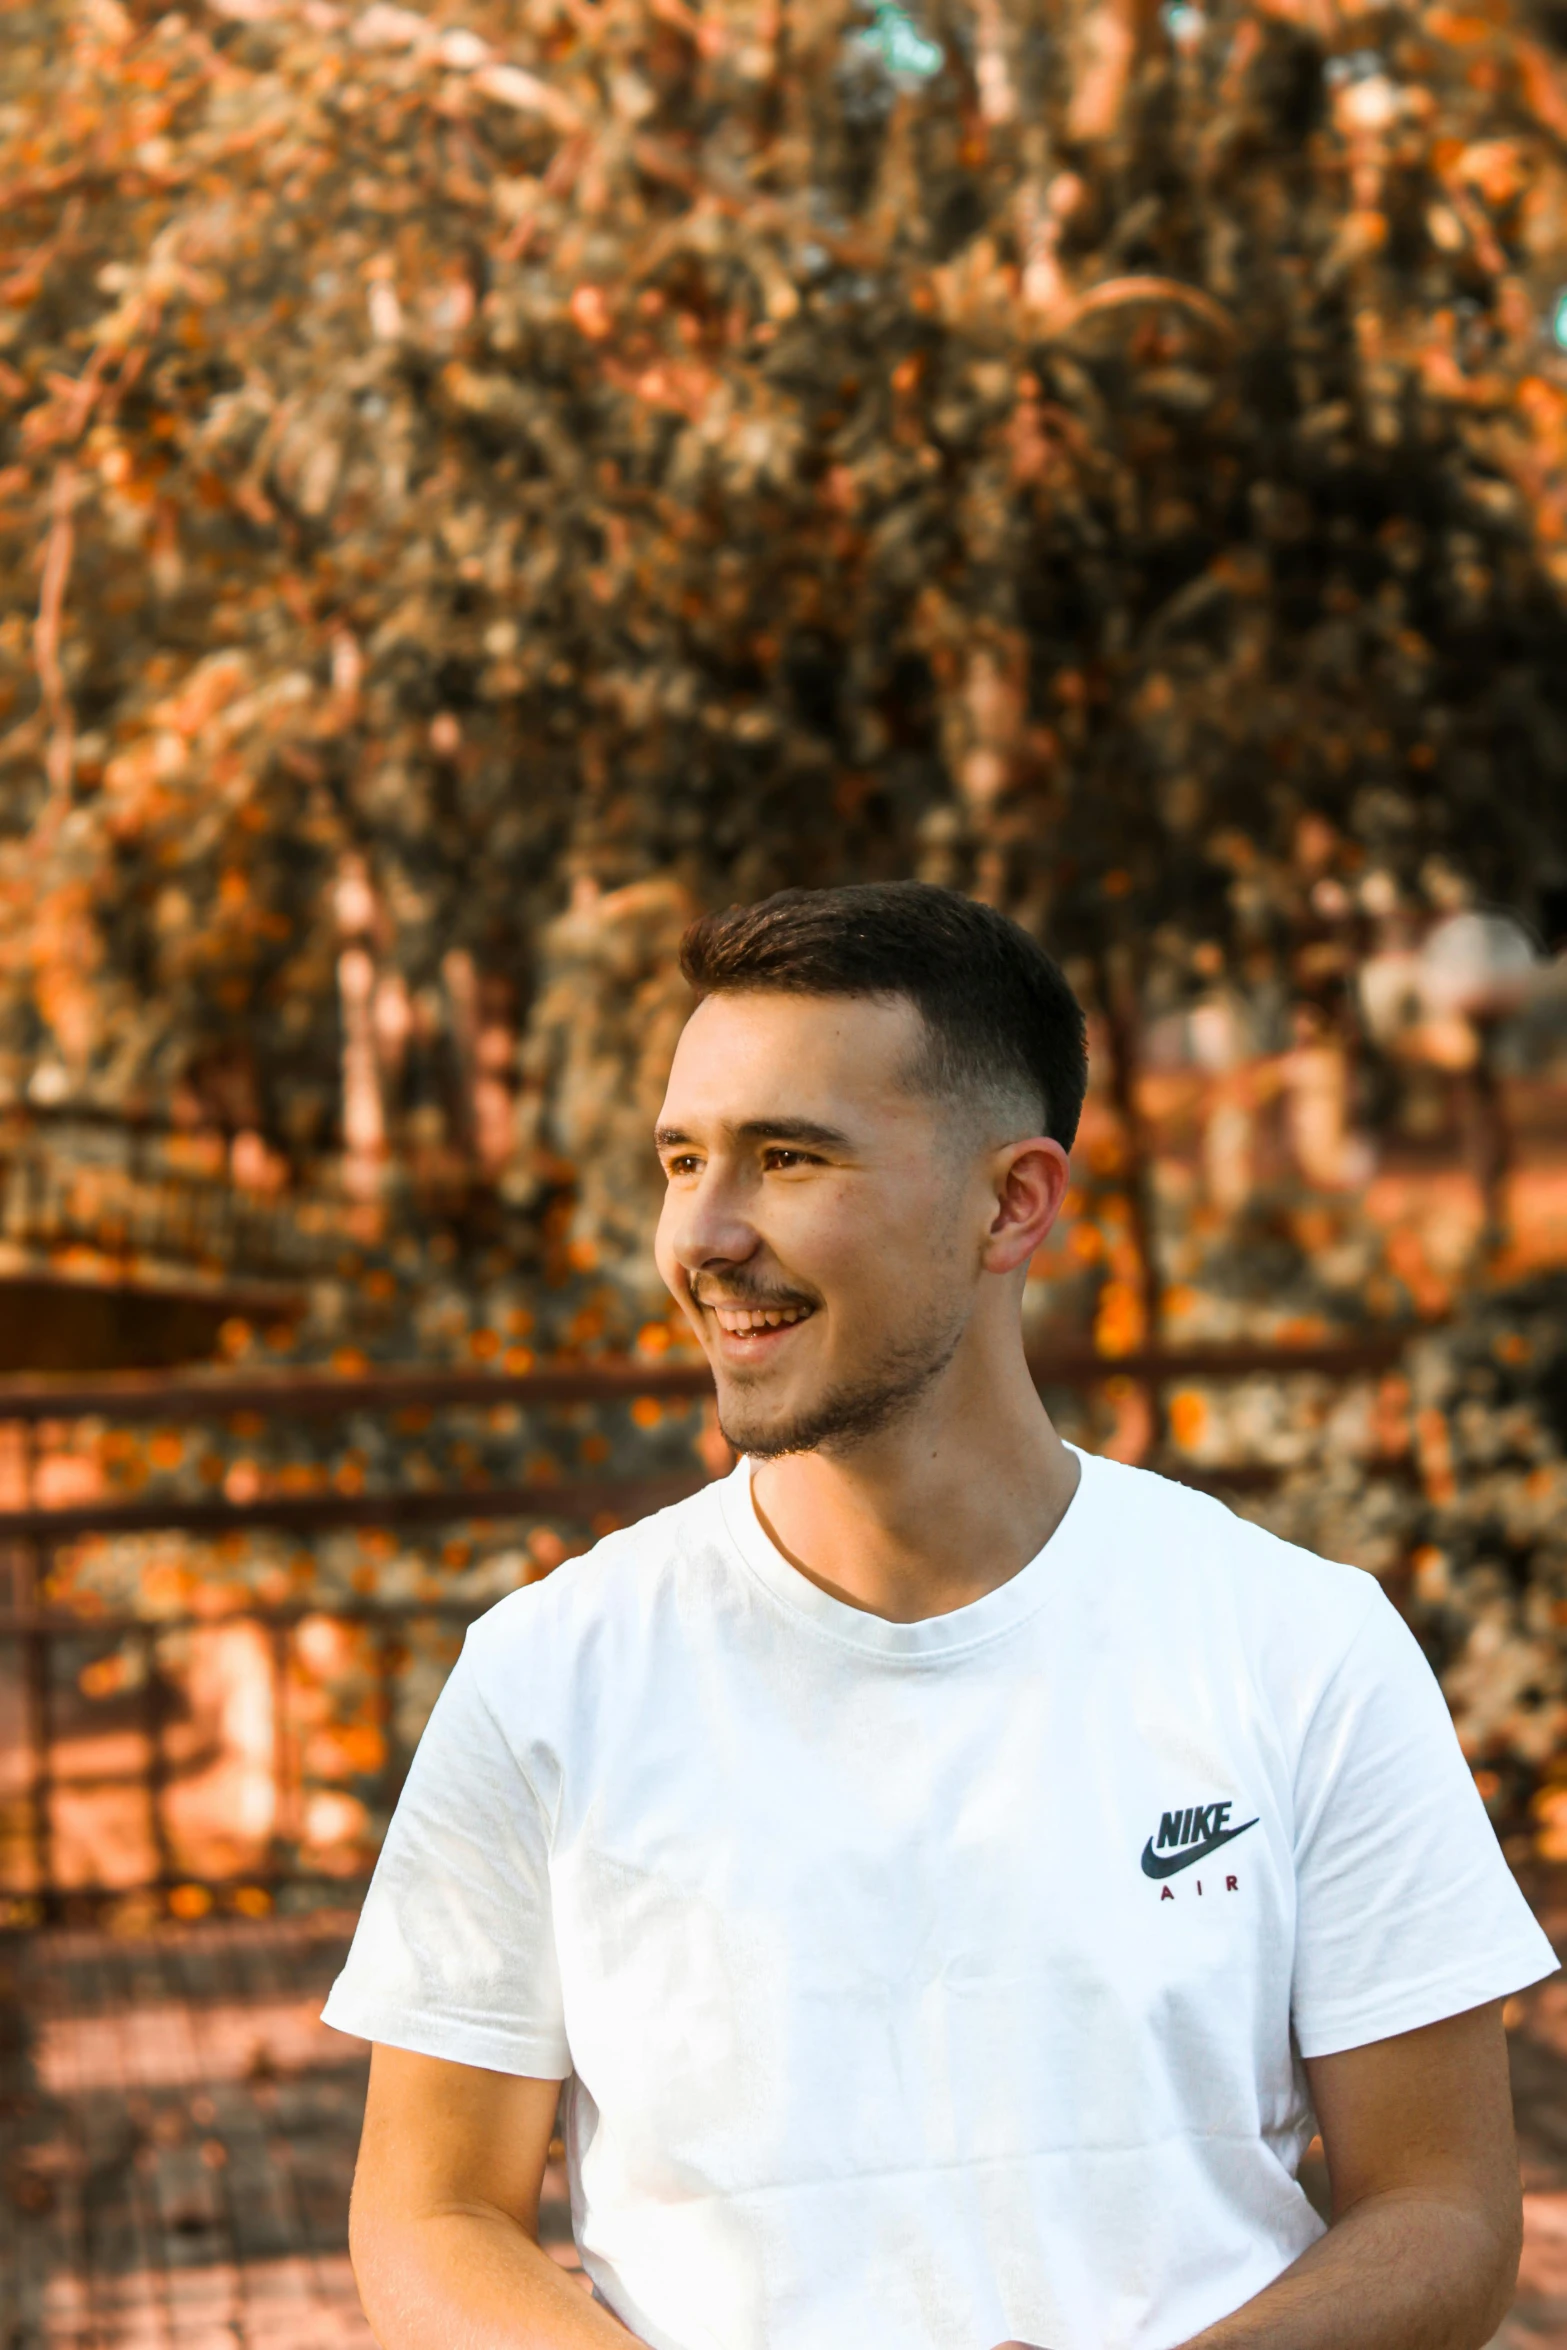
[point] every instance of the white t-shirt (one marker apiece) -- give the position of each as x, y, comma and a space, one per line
929, 1985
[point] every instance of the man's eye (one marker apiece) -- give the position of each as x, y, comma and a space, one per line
684, 1164
788, 1158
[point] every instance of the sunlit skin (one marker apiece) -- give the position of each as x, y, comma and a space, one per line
832, 1230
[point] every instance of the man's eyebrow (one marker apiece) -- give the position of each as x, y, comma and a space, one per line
787, 1130
805, 1130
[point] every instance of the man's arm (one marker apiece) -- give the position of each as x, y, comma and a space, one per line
444, 2225
1422, 2253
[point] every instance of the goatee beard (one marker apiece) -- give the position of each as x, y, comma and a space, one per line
845, 1416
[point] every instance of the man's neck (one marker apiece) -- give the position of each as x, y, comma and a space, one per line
931, 1514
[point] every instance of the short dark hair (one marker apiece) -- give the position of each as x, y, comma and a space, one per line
1001, 1017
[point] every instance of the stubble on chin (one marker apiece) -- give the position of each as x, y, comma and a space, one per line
841, 1417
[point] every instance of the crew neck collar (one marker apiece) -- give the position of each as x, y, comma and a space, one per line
960, 1628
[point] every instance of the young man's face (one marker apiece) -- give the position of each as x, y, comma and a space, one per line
824, 1216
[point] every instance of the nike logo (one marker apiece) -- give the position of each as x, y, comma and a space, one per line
1165, 1864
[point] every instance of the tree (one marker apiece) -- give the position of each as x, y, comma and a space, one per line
1111, 460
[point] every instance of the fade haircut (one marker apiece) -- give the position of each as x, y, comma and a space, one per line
1005, 1032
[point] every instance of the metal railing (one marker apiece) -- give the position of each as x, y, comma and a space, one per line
132, 1187
40, 1637
36, 1634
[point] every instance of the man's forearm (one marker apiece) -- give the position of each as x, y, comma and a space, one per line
1400, 2271
471, 2279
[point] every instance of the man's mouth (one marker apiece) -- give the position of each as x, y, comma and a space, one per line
742, 1321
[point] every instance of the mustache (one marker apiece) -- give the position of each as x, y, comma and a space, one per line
747, 1294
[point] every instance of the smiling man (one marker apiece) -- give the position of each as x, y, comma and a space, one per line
953, 1876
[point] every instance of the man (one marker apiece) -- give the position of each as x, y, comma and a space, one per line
952, 1875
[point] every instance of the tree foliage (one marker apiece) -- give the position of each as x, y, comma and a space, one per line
579, 442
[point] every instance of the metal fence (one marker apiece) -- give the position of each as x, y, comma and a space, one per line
35, 1636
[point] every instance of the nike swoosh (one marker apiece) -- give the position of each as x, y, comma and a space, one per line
1166, 1867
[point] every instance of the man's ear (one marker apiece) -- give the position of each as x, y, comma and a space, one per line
1031, 1180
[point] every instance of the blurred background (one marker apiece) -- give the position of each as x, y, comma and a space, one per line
483, 483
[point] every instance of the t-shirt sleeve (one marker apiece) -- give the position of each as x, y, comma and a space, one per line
454, 1955
1407, 1911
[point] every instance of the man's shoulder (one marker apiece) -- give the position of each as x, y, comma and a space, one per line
621, 1582
1191, 1549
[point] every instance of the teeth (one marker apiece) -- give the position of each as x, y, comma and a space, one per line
745, 1321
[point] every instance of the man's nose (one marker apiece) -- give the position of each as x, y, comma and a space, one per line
709, 1225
